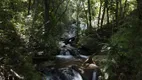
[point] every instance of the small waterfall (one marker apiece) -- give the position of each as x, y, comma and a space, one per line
68, 52
67, 74
94, 75
77, 76
67, 56
63, 74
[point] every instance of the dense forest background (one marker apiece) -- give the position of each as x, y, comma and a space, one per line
113, 28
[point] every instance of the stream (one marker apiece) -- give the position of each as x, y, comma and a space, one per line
67, 68
69, 62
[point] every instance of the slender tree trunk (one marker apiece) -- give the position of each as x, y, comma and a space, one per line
99, 14
90, 16
124, 9
107, 15
139, 7
77, 18
29, 7
46, 25
103, 15
46, 16
116, 13
77, 32
121, 8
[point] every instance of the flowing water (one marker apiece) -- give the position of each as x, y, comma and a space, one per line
63, 74
94, 76
68, 54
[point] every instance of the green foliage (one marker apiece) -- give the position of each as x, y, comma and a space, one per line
13, 48
14, 53
124, 62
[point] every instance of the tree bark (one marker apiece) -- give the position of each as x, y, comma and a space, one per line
139, 11
29, 7
116, 13
139, 7
47, 26
77, 18
99, 14
103, 15
46, 16
90, 16
121, 8
107, 14
124, 9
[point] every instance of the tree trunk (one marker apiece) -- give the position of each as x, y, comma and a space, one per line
103, 15
47, 26
29, 7
46, 16
116, 13
107, 15
90, 16
139, 7
124, 9
77, 32
99, 14
121, 8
